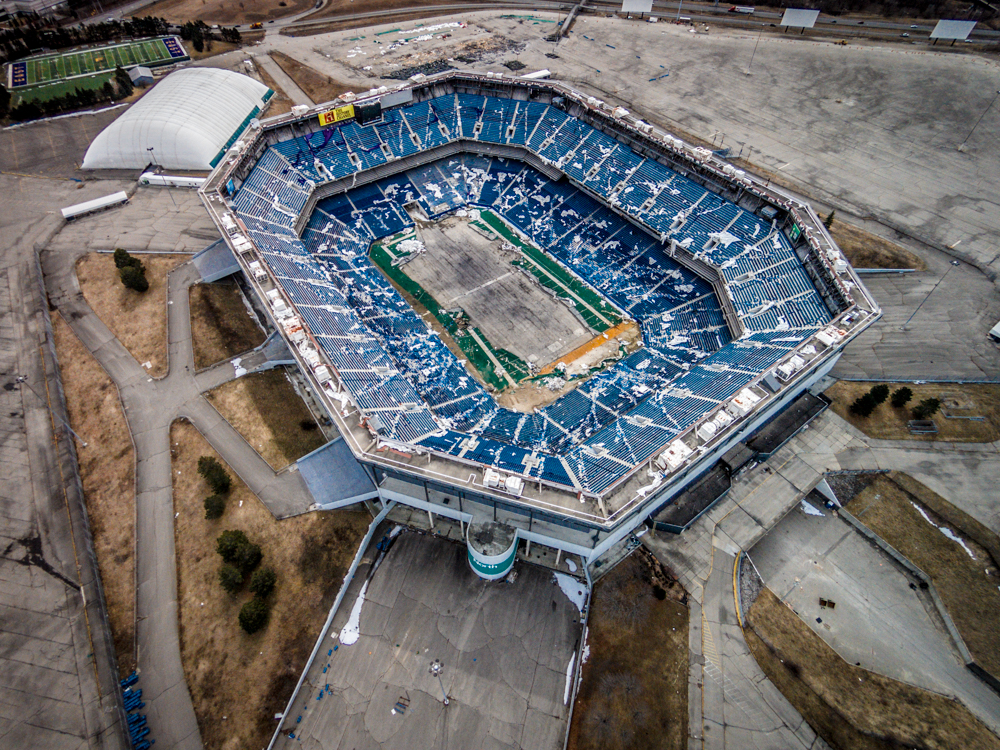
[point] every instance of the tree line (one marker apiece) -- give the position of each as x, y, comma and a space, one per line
28, 34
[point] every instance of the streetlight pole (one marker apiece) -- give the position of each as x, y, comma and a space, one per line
436, 668
953, 264
988, 106
152, 155
752, 54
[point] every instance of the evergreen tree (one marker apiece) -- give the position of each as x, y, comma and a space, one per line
253, 615
262, 582
901, 397
134, 277
230, 578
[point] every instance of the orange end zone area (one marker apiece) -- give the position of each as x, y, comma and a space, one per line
625, 331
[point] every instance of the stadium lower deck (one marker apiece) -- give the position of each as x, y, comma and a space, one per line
415, 392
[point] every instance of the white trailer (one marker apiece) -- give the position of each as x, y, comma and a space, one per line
169, 180
98, 204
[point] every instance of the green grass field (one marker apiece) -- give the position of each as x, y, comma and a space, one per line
38, 71
50, 91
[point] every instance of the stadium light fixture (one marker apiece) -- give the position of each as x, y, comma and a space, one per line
436, 668
988, 106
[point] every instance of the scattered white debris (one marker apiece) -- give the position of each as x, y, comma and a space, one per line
812, 511
411, 247
586, 653
575, 591
945, 530
352, 630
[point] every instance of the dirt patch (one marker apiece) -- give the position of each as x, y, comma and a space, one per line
280, 103
850, 707
238, 682
265, 409
221, 325
963, 572
866, 250
138, 321
318, 87
226, 12
107, 470
635, 683
958, 403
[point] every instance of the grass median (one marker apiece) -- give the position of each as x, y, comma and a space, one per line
239, 681
107, 471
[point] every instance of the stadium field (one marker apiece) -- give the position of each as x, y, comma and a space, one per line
37, 71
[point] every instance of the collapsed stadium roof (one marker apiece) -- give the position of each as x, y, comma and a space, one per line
786, 301
188, 120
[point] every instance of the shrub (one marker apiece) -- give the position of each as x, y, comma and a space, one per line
123, 259
262, 582
926, 408
828, 221
134, 277
230, 578
901, 397
229, 543
215, 506
248, 557
864, 406
253, 615
880, 393
215, 474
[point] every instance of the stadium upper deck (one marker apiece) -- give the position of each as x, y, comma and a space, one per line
741, 295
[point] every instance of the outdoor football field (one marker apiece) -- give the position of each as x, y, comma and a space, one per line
37, 71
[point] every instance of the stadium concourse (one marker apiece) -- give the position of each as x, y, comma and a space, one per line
720, 276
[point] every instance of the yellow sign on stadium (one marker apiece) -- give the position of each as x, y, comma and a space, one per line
336, 115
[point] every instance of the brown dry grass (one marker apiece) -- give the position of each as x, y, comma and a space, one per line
966, 585
265, 409
139, 321
221, 327
849, 707
889, 423
316, 85
107, 471
280, 103
249, 678
225, 12
866, 250
216, 48
637, 674
341, 7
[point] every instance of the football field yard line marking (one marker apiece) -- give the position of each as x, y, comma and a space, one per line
493, 359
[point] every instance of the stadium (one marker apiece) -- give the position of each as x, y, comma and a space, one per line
525, 308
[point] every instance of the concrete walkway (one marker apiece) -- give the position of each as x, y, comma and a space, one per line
736, 694
290, 87
151, 406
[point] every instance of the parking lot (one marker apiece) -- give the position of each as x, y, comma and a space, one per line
504, 650
879, 621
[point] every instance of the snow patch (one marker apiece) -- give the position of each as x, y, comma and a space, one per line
945, 530
811, 510
352, 630
575, 591
569, 679
571, 565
